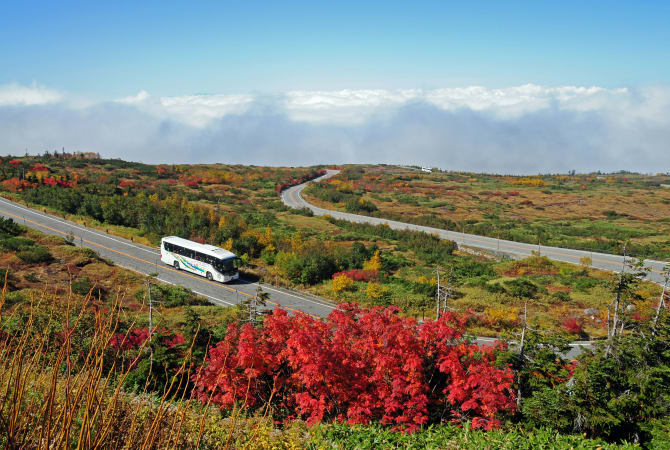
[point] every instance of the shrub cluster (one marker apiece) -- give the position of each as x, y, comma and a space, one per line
295, 181
359, 275
358, 366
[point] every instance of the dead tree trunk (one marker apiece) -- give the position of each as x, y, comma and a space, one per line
521, 348
661, 303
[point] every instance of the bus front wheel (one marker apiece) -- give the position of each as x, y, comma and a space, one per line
209, 276
176, 265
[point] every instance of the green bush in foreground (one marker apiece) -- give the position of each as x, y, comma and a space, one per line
448, 436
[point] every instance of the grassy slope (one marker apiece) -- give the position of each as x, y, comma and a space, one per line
558, 210
38, 291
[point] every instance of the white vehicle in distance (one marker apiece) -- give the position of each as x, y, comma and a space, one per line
207, 260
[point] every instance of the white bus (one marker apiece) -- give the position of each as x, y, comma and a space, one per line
207, 260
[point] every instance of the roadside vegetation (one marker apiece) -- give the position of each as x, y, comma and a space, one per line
237, 207
78, 368
596, 212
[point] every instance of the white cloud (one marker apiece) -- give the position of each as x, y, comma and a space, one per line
134, 99
522, 129
199, 110
13, 94
355, 106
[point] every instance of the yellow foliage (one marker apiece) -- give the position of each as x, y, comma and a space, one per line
586, 261
425, 280
375, 291
342, 283
374, 263
342, 186
298, 244
530, 181
502, 315
267, 239
228, 245
222, 221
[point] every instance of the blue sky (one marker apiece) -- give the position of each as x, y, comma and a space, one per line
111, 49
497, 86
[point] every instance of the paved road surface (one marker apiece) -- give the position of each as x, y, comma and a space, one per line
292, 198
145, 260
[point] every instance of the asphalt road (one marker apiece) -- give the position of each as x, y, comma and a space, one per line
146, 260
292, 198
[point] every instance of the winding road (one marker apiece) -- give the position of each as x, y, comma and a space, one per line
292, 197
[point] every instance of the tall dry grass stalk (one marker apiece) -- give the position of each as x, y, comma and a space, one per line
51, 397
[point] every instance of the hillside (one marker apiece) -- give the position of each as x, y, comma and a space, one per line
237, 207
77, 367
207, 378
584, 211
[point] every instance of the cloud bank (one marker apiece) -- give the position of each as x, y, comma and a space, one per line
523, 129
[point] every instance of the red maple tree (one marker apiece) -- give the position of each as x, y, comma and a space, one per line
358, 366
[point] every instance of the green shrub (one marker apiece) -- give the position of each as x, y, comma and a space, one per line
83, 286
304, 211
449, 436
586, 284
357, 205
14, 244
12, 298
522, 288
9, 227
268, 257
561, 296
35, 255
495, 288
170, 296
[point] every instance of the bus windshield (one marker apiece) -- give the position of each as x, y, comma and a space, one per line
226, 265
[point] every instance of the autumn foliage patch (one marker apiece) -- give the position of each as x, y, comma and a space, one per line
359, 275
574, 325
295, 181
358, 366
135, 338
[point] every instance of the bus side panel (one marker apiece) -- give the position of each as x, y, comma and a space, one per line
167, 257
191, 265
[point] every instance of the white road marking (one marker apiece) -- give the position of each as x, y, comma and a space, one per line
199, 293
74, 225
296, 296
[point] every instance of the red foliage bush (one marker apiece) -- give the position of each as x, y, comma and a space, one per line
135, 338
359, 275
199, 239
357, 366
294, 181
573, 325
15, 162
53, 182
14, 184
